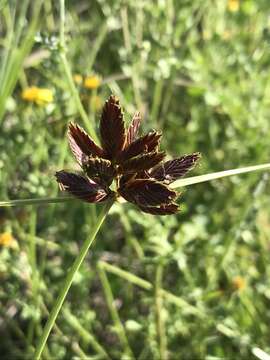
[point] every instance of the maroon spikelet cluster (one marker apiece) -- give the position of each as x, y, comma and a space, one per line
135, 163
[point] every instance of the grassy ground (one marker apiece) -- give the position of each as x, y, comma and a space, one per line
199, 71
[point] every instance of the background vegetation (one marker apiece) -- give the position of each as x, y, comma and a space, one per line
199, 71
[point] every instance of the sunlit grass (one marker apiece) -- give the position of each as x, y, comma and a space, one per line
194, 285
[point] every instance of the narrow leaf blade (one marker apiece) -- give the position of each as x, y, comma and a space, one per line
218, 175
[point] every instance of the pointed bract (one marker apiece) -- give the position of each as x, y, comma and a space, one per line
146, 192
81, 144
144, 144
161, 210
133, 128
79, 155
174, 169
112, 128
142, 162
81, 187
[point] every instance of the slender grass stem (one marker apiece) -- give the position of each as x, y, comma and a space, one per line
34, 201
160, 321
218, 175
69, 279
34, 278
177, 184
114, 313
85, 335
97, 44
68, 74
154, 113
131, 239
15, 55
146, 285
128, 45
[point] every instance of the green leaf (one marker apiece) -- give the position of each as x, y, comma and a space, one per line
218, 175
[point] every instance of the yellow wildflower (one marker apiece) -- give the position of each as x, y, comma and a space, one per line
233, 5
78, 78
40, 96
238, 283
6, 239
92, 82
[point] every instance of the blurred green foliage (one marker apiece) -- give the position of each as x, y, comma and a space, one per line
196, 70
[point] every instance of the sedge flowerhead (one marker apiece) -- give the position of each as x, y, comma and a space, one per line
135, 163
92, 82
37, 95
6, 239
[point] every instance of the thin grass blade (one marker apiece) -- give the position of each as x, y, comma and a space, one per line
218, 175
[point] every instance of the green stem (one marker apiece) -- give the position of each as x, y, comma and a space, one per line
85, 335
156, 101
177, 184
146, 285
160, 321
69, 279
131, 239
38, 201
128, 45
218, 175
114, 313
68, 73
34, 278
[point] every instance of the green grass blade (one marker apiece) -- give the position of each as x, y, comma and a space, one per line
15, 58
69, 279
177, 184
218, 175
38, 201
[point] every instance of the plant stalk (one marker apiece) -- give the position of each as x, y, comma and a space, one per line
69, 279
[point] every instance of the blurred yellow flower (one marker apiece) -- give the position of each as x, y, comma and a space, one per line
238, 283
233, 5
92, 82
78, 78
6, 239
40, 96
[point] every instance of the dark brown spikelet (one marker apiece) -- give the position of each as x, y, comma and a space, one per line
133, 128
146, 192
142, 162
112, 128
100, 170
174, 169
161, 210
81, 144
81, 187
146, 143
135, 164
